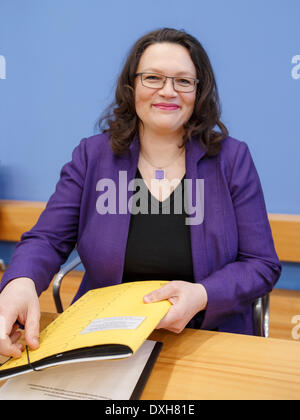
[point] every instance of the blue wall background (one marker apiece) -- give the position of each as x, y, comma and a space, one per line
60, 60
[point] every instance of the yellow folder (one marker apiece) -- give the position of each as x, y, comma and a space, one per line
111, 322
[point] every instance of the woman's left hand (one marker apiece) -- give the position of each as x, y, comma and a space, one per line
186, 298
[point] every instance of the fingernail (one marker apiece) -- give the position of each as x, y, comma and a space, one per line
147, 299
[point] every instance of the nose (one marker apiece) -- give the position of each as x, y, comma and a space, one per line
168, 89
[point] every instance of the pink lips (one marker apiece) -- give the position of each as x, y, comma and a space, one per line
166, 106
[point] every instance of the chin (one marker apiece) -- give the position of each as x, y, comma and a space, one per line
167, 129
167, 126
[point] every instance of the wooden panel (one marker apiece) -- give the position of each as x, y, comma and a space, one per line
16, 217
286, 234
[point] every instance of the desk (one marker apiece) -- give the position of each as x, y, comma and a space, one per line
211, 365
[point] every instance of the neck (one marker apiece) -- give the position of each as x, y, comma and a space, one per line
158, 147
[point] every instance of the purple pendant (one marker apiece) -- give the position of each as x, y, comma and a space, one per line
160, 174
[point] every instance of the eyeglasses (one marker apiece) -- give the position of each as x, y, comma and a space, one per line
157, 81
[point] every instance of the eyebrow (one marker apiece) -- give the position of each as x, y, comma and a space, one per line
179, 73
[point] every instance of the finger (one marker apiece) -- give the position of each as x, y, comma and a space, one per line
175, 319
32, 326
20, 346
168, 324
165, 292
173, 300
7, 348
15, 336
169, 319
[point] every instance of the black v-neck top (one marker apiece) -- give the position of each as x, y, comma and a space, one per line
158, 245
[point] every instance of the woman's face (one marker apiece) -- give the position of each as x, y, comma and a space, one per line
164, 110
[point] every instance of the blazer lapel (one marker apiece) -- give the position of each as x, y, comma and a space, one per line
125, 168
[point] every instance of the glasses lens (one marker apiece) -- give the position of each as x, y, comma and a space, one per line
155, 81
183, 84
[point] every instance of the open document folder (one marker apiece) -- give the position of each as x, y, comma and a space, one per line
106, 323
122, 379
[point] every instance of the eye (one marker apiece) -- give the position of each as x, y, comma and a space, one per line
152, 78
184, 82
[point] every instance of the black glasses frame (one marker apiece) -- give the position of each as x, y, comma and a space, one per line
196, 81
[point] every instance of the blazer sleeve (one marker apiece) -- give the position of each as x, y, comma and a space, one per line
256, 269
43, 249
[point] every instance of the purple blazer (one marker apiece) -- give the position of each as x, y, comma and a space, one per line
233, 251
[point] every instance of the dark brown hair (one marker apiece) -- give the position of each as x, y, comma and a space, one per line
120, 119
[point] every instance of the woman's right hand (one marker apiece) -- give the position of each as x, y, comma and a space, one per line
19, 302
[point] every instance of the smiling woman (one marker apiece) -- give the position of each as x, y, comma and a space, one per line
163, 129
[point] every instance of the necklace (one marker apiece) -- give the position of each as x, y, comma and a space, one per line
160, 171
